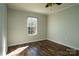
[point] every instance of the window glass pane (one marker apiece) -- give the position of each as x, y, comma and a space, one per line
32, 25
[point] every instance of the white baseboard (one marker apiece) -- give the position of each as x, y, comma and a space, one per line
25, 42
64, 44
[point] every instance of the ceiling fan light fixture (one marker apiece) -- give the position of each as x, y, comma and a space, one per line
48, 5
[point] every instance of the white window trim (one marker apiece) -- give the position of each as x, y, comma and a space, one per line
36, 27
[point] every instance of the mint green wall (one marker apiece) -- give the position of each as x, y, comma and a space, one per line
63, 27
3, 29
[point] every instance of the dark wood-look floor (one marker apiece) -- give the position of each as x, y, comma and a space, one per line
44, 48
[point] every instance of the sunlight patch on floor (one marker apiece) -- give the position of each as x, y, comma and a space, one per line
17, 51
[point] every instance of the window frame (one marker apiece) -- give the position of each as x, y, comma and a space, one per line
36, 26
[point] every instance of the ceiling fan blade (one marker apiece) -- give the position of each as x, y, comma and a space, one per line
50, 4
58, 3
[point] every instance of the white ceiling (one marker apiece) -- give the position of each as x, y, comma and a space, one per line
39, 7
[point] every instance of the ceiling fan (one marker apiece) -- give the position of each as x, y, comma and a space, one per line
50, 4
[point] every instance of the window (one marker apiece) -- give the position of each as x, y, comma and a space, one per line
32, 26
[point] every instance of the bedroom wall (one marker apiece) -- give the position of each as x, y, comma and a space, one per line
3, 29
63, 27
17, 31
